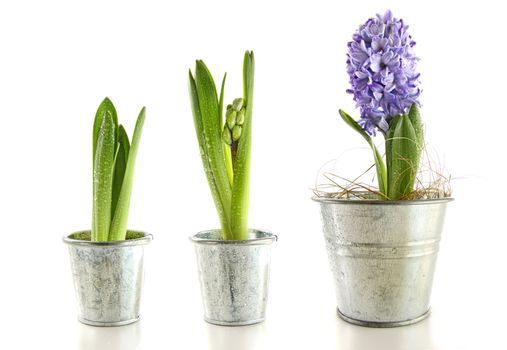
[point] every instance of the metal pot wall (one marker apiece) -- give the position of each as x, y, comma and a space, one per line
383, 256
234, 276
108, 277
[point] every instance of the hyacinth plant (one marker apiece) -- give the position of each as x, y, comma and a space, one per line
224, 144
381, 65
113, 173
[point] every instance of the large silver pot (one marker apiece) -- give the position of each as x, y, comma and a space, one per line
234, 276
108, 277
383, 256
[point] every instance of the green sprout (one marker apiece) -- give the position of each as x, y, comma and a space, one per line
113, 173
224, 144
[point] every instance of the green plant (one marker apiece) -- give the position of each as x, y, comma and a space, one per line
113, 172
224, 144
404, 142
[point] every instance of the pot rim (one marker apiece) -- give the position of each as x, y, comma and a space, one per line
346, 201
147, 238
266, 238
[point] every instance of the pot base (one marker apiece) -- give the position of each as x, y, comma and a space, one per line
108, 324
372, 324
234, 324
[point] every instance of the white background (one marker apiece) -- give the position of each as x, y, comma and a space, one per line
59, 59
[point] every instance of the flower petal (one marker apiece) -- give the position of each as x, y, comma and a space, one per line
382, 69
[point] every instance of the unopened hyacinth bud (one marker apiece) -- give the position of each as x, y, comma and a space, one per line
226, 136
230, 118
234, 120
237, 104
236, 132
240, 117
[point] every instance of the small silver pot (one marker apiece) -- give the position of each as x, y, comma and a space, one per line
234, 276
383, 256
108, 277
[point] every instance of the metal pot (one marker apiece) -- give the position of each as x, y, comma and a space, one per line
234, 276
108, 277
383, 255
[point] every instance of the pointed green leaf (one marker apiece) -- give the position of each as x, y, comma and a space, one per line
119, 224
354, 125
105, 107
103, 178
379, 162
226, 148
212, 126
207, 123
196, 112
201, 138
120, 165
221, 101
241, 181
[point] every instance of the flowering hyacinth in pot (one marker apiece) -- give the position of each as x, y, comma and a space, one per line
383, 244
107, 261
233, 261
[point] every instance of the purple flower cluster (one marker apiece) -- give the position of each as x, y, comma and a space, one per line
382, 70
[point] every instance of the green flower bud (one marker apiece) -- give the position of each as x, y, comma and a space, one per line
236, 132
230, 118
226, 136
240, 117
229, 106
237, 104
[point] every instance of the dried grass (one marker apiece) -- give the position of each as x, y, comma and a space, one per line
432, 182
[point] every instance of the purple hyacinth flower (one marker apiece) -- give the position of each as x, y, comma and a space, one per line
382, 70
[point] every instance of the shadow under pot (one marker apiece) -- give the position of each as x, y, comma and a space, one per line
234, 276
108, 277
383, 256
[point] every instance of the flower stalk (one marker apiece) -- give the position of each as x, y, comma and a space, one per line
113, 173
225, 145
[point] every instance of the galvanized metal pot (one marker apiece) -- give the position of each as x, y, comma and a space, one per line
108, 277
234, 277
383, 256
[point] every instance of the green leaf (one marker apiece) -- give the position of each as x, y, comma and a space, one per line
208, 126
103, 178
221, 101
105, 107
389, 152
226, 148
415, 117
120, 165
403, 159
118, 229
241, 183
379, 162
